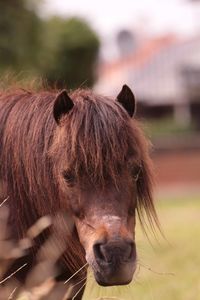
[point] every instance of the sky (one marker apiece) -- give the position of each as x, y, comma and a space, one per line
109, 16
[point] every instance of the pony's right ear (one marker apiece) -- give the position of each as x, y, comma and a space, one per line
62, 105
127, 99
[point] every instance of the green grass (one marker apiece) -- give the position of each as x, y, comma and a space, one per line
157, 128
172, 266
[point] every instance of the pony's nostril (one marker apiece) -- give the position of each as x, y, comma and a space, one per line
98, 251
115, 251
130, 251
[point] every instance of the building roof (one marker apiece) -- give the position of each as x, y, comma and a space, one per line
154, 71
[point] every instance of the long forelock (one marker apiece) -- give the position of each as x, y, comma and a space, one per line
100, 138
97, 137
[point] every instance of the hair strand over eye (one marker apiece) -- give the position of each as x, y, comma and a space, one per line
69, 177
136, 173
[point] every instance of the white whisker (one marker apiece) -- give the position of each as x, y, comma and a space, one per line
8, 277
75, 273
12, 294
4, 201
136, 275
156, 272
79, 291
78, 282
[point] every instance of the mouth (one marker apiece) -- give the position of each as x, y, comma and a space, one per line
115, 275
111, 282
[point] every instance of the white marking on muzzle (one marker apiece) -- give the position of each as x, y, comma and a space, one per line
109, 219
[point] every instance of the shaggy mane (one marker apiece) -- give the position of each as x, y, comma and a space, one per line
103, 138
100, 139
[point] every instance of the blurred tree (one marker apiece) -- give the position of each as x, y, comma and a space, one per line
70, 53
19, 35
63, 51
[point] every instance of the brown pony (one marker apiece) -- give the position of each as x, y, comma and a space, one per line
83, 155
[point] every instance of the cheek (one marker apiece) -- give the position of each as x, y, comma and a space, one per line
85, 233
131, 225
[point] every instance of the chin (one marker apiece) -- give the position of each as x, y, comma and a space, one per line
103, 280
114, 283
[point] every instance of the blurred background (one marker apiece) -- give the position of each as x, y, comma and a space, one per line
154, 47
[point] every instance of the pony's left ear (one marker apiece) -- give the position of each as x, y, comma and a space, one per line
62, 105
127, 100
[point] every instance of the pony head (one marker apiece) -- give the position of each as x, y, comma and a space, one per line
101, 161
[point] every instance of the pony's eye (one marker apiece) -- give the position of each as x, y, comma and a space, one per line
69, 177
77, 210
135, 172
78, 213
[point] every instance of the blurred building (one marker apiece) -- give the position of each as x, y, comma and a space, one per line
164, 73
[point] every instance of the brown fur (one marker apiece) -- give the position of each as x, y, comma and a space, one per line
95, 140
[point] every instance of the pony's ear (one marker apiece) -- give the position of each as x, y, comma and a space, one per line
127, 100
62, 105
